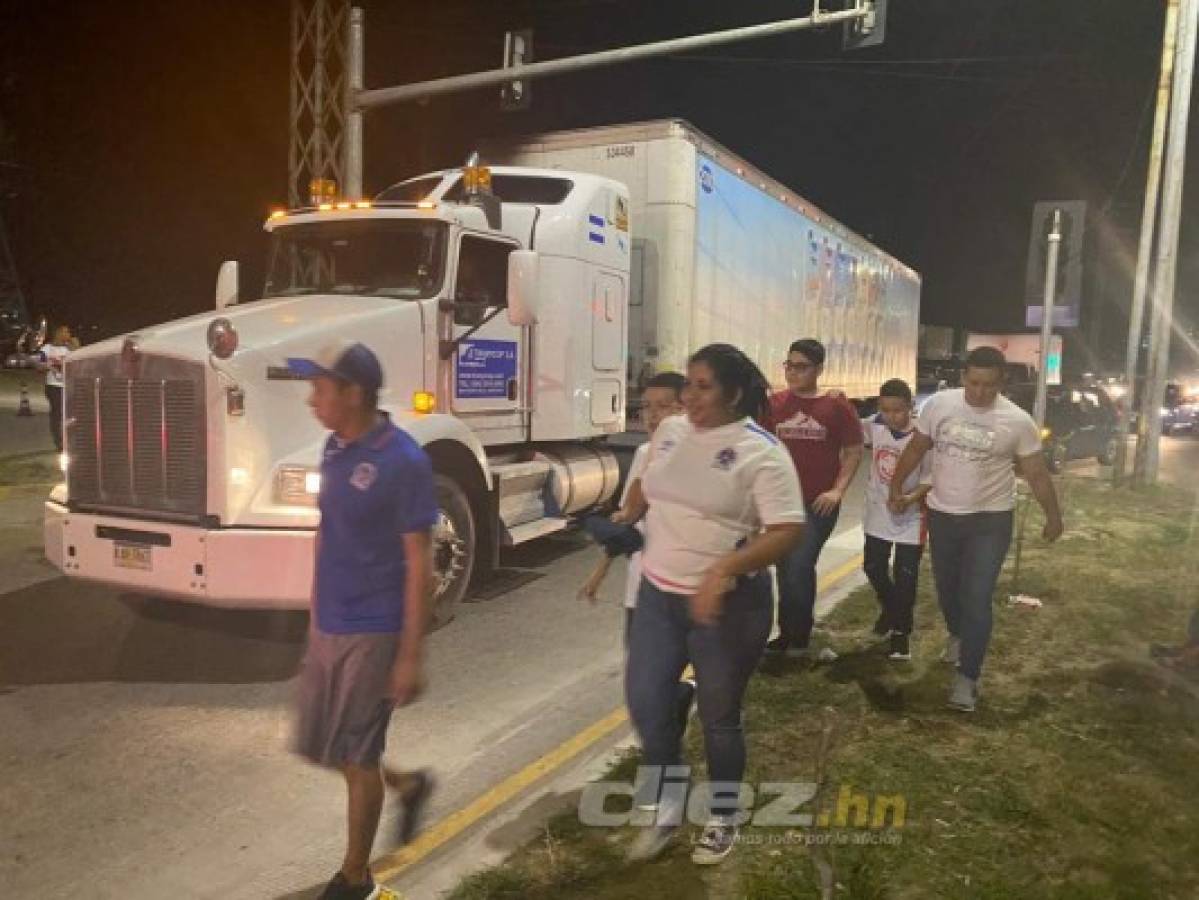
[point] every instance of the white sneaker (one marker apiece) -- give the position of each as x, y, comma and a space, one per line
963, 696
715, 843
952, 653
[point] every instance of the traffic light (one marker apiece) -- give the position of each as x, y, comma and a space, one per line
868, 31
518, 51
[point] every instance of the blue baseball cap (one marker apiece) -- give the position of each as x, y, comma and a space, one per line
350, 361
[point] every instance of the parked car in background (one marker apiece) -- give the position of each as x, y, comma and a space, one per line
1180, 410
1081, 421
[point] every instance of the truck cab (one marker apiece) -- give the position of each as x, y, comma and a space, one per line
496, 300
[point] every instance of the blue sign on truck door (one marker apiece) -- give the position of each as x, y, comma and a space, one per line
484, 369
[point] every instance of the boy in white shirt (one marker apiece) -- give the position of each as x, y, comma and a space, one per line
661, 399
886, 435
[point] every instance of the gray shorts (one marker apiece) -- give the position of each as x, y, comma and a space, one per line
345, 698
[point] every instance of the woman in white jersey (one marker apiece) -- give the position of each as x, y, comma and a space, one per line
724, 504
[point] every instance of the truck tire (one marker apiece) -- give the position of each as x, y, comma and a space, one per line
454, 549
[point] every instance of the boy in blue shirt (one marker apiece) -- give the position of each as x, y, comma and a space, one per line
369, 599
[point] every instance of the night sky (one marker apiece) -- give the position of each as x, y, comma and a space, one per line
147, 140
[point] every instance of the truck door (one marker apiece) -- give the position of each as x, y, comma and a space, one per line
489, 374
608, 302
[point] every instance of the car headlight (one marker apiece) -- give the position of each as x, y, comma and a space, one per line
297, 485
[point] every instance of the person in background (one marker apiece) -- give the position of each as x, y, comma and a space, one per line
369, 601
50, 360
900, 532
975, 436
721, 503
823, 434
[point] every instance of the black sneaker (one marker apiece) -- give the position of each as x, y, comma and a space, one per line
686, 697
901, 647
340, 889
881, 628
778, 646
413, 800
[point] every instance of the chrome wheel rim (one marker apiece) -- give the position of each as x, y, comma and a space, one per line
449, 554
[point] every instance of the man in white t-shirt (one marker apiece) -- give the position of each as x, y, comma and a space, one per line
977, 438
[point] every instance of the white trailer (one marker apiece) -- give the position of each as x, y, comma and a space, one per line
723, 252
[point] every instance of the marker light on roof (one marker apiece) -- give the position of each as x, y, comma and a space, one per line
426, 204
325, 207
343, 205
278, 213
362, 204
476, 179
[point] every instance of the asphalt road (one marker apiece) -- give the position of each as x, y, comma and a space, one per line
144, 743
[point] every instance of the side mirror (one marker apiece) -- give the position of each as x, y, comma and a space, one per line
523, 269
226, 284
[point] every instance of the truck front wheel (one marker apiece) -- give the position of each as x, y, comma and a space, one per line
453, 549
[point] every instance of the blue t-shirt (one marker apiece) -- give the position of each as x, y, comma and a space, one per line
373, 491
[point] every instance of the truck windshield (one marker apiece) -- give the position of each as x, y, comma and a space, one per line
386, 257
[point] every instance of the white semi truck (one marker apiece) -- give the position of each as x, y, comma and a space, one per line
508, 304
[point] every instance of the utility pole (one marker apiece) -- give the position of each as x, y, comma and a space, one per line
1161, 322
1054, 241
1136, 316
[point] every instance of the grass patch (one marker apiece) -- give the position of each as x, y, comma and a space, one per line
1076, 778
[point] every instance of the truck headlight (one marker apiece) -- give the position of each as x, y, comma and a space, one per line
297, 485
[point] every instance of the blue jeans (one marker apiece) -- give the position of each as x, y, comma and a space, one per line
797, 579
967, 554
662, 641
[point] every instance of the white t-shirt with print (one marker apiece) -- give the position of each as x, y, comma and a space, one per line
708, 490
53, 355
885, 448
974, 452
633, 579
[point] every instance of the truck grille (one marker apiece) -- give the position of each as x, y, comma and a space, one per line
137, 444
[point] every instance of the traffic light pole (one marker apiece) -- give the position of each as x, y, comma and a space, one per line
1054, 241
1136, 316
1162, 319
359, 100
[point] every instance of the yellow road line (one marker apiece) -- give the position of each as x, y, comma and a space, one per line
393, 863
390, 865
